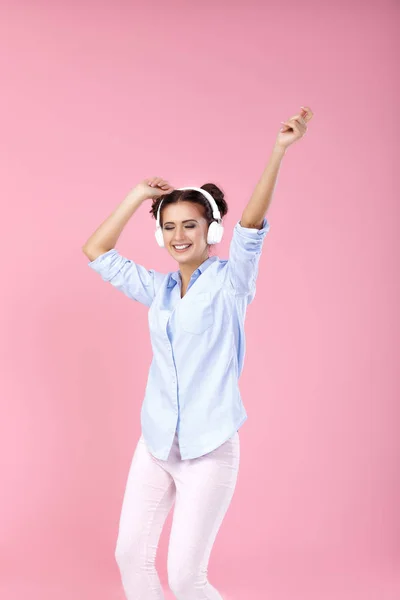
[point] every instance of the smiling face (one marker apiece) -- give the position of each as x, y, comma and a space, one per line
184, 224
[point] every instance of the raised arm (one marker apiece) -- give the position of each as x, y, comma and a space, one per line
292, 130
249, 233
134, 280
106, 235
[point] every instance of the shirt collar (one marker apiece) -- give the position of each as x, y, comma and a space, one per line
174, 277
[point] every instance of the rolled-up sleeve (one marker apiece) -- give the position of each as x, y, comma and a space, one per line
135, 281
244, 255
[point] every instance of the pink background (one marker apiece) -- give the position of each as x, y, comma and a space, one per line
96, 97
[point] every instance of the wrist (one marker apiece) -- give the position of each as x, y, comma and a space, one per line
134, 197
279, 150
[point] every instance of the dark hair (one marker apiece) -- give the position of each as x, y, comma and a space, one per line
193, 196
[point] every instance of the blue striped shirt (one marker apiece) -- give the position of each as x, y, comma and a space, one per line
198, 343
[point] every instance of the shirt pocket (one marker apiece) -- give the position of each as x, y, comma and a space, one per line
197, 314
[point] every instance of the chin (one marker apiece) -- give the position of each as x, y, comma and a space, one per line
182, 258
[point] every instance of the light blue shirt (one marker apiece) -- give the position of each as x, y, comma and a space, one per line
198, 343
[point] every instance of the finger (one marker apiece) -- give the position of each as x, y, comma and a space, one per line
291, 124
156, 182
296, 126
298, 118
287, 125
308, 112
300, 123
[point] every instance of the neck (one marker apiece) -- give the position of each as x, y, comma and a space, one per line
187, 270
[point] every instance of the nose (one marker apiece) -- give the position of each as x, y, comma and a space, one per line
179, 237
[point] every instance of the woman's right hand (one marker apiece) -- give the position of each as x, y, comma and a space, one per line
152, 187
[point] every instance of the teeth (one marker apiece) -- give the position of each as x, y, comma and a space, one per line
182, 247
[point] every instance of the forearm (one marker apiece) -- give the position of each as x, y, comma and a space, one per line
256, 209
106, 235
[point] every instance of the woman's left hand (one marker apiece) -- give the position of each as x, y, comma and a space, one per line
294, 129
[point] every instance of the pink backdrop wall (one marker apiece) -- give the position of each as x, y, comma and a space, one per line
94, 98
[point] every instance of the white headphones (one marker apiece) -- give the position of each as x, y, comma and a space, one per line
215, 229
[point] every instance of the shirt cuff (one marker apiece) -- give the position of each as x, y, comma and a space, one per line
105, 265
252, 232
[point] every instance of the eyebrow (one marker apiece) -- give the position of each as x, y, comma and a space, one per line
173, 223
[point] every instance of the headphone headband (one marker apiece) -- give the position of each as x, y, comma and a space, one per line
215, 209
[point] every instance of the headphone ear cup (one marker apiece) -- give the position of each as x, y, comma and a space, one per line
215, 233
159, 237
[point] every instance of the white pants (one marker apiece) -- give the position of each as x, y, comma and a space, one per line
202, 489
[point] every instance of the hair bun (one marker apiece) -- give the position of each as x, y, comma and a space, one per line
218, 196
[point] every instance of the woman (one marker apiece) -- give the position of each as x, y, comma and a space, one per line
188, 452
